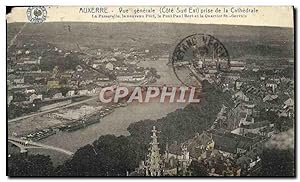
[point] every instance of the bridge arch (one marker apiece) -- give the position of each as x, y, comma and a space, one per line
25, 144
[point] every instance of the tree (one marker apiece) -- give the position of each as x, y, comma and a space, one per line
277, 162
109, 155
29, 165
197, 169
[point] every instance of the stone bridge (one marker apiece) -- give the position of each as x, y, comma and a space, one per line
25, 144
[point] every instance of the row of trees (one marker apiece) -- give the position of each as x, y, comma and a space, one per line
115, 159
114, 156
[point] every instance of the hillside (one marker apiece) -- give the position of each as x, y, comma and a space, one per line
241, 41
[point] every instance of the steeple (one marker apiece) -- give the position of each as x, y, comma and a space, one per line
167, 150
185, 161
153, 158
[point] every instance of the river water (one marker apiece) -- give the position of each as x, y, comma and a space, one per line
117, 122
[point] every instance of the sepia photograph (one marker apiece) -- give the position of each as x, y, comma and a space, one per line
161, 91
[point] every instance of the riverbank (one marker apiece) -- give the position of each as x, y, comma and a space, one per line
117, 122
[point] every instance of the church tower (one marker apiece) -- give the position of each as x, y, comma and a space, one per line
154, 167
185, 160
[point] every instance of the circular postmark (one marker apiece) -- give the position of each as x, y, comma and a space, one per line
200, 57
36, 14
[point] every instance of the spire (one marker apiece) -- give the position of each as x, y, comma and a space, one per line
167, 145
167, 150
185, 161
153, 160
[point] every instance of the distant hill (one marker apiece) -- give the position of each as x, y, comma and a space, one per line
241, 41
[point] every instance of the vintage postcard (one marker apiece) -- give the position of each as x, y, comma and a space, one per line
150, 91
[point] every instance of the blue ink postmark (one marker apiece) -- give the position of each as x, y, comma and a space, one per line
36, 14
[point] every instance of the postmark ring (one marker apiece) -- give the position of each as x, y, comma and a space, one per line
199, 56
36, 14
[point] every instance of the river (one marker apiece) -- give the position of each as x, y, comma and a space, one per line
117, 122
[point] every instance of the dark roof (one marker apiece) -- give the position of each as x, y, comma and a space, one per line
243, 115
249, 118
251, 135
175, 149
257, 125
229, 142
222, 143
